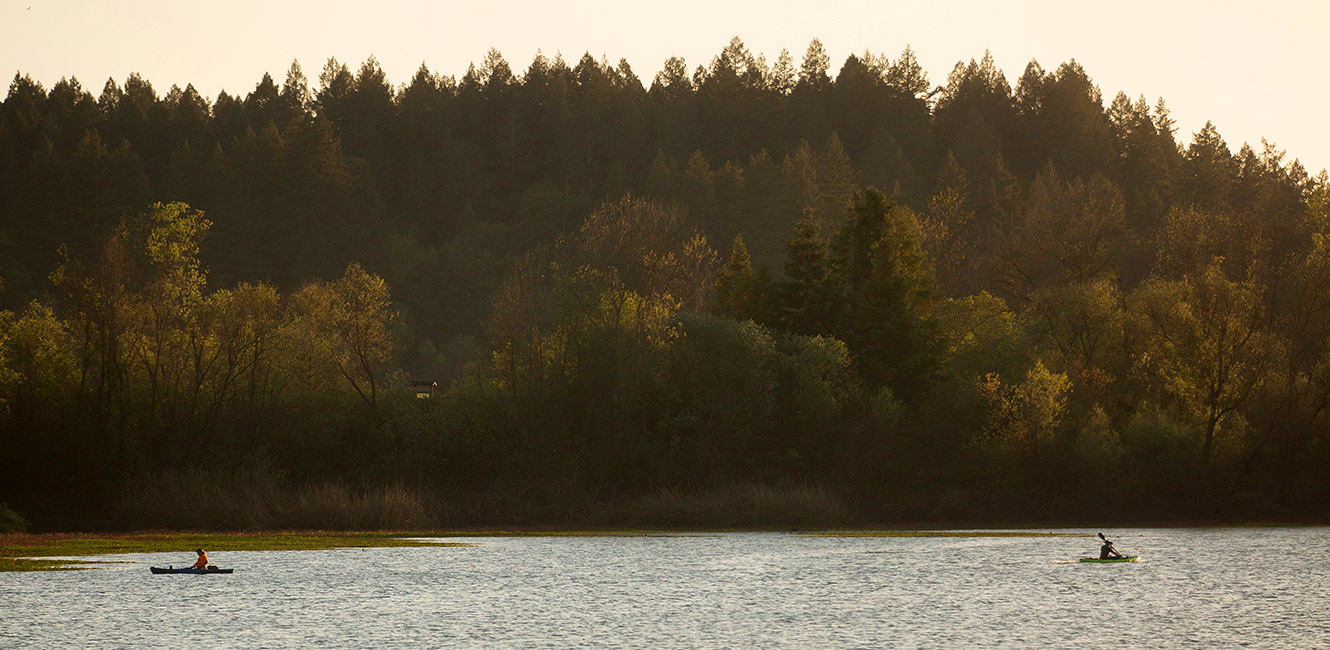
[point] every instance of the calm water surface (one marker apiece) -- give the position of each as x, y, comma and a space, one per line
1259, 588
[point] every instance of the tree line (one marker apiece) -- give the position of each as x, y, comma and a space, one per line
939, 301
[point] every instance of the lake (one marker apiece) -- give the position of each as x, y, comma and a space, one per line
1194, 588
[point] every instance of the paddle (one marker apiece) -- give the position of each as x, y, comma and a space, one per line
1114, 549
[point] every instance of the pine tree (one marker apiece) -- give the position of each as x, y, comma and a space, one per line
889, 289
906, 75
783, 77
262, 105
294, 100
1208, 170
738, 289
952, 176
1002, 202
1077, 134
806, 297
699, 189
835, 181
815, 66
799, 179
1145, 170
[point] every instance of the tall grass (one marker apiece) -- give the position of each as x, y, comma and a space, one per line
259, 501
736, 505
195, 500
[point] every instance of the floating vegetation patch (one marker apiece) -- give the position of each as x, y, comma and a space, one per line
15, 549
940, 533
31, 564
571, 533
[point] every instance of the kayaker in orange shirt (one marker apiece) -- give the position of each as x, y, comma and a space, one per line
202, 563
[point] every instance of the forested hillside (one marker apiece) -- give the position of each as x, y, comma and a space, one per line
918, 301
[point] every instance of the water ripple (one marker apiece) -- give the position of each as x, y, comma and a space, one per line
1259, 588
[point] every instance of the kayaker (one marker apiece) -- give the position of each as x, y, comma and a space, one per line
1107, 552
202, 562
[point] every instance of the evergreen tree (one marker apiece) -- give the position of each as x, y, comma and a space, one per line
1145, 169
889, 288
799, 177
906, 75
953, 177
738, 288
699, 189
1079, 139
974, 115
835, 181
807, 297
1208, 170
885, 165
262, 105
813, 71
332, 101
783, 76
1002, 197
295, 98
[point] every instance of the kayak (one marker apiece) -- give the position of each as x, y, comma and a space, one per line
1129, 558
197, 572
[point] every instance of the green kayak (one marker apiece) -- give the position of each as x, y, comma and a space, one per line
1129, 558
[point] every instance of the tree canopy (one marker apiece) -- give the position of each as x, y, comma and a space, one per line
1006, 292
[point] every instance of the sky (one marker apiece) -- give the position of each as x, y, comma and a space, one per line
1257, 70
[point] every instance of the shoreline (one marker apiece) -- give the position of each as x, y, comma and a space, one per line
536, 530
28, 551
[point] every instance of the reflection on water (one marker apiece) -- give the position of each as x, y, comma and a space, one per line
1260, 588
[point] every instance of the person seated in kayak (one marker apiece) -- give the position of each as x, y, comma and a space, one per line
1107, 552
202, 562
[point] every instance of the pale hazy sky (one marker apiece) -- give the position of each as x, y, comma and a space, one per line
1257, 69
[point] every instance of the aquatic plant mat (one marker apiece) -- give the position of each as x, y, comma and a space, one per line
717, 533
940, 533
577, 533
18, 550
28, 564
